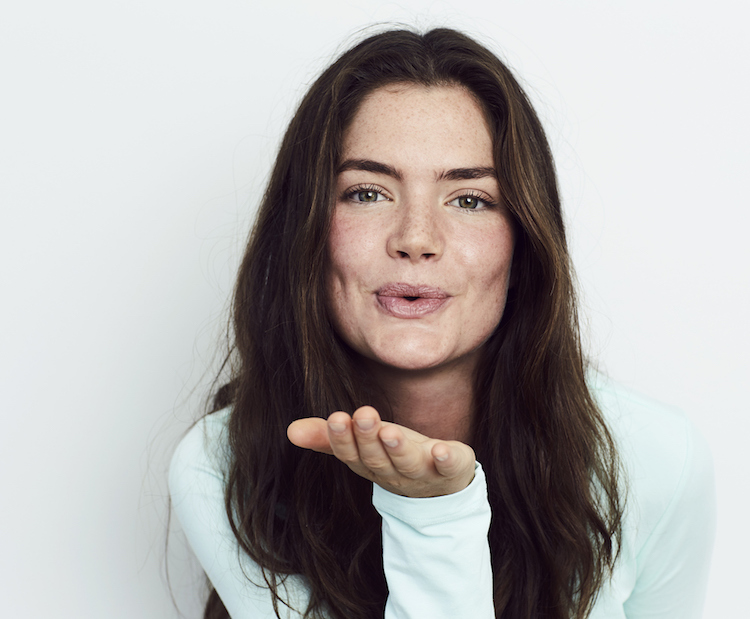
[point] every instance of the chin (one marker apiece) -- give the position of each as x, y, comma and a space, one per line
414, 356
410, 365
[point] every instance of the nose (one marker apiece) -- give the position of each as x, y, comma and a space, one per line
416, 235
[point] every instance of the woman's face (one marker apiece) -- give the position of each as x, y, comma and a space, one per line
420, 247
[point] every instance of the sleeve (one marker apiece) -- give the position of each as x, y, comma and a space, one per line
196, 485
672, 564
435, 550
436, 553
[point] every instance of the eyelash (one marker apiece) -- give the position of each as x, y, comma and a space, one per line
488, 203
350, 195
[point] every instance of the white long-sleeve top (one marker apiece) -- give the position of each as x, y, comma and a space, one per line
435, 550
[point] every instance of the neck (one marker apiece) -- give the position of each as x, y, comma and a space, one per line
437, 402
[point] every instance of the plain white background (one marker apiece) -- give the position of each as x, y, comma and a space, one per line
135, 139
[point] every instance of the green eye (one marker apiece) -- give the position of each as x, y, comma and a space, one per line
469, 202
367, 196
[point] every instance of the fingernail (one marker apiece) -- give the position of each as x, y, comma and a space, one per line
442, 458
391, 443
365, 424
337, 427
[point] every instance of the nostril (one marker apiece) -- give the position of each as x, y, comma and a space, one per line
403, 254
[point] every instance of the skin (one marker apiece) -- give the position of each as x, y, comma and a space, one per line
425, 210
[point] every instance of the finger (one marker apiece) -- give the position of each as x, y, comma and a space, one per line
310, 433
343, 443
408, 457
453, 460
366, 425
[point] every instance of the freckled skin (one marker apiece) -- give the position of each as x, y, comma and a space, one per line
416, 232
406, 217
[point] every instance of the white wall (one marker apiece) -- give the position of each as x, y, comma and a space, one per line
135, 138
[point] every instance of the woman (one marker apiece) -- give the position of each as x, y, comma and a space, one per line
409, 266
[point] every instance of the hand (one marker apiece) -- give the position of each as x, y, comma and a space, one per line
396, 458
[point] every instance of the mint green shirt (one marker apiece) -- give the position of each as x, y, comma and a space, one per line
435, 551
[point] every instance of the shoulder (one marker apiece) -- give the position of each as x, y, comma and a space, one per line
666, 461
202, 454
657, 442
197, 483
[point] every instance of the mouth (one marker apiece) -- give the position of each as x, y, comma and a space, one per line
408, 291
409, 301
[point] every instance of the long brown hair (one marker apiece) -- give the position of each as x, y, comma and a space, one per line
550, 461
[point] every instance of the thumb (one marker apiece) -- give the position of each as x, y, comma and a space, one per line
454, 460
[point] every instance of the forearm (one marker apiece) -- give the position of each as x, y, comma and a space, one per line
436, 554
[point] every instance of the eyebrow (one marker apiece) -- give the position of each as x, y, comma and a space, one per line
457, 174
366, 165
465, 174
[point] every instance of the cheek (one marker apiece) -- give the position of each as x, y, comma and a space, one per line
490, 254
492, 258
342, 257
354, 251
335, 279
349, 271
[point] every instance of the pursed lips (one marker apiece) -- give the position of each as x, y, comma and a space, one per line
410, 301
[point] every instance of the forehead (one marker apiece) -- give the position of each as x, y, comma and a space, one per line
400, 120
